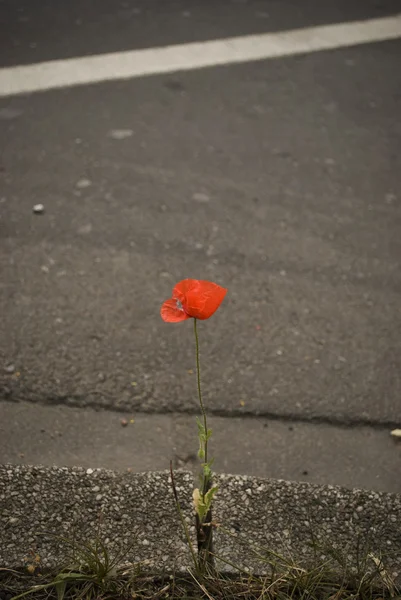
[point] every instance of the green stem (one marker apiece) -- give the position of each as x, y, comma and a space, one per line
202, 407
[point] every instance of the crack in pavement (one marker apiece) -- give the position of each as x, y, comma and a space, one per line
340, 422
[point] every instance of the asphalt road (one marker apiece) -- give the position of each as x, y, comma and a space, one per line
278, 179
38, 30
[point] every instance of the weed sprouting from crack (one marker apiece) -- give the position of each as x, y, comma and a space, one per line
90, 572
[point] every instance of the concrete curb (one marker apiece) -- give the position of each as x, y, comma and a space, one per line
305, 522
37, 504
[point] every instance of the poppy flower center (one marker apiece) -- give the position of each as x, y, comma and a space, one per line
179, 305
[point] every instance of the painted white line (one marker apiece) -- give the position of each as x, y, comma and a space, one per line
186, 57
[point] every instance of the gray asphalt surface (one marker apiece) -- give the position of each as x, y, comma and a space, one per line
38, 30
360, 457
279, 180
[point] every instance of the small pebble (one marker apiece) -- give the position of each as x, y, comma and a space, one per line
390, 198
124, 422
38, 209
83, 183
9, 368
201, 197
84, 229
120, 134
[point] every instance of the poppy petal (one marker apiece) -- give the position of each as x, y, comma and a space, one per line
182, 288
200, 299
170, 312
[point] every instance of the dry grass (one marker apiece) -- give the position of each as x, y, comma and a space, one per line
91, 574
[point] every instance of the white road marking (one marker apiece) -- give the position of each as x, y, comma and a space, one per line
186, 57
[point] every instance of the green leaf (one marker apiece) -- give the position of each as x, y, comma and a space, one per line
60, 589
208, 498
199, 504
206, 470
203, 503
201, 427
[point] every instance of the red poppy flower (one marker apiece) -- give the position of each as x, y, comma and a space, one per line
192, 298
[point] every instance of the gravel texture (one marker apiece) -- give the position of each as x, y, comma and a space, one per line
286, 517
38, 505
